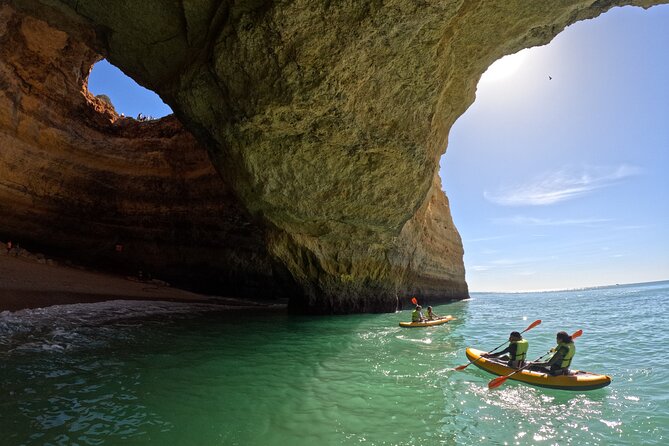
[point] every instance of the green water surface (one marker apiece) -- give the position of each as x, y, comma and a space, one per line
174, 374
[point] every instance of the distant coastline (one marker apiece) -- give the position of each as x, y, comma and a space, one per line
562, 290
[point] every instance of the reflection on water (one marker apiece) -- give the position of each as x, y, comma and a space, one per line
166, 373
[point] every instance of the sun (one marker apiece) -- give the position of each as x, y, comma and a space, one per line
504, 67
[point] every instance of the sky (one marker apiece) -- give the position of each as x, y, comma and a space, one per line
554, 183
557, 174
127, 96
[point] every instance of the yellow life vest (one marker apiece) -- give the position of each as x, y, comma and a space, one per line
416, 316
521, 350
571, 351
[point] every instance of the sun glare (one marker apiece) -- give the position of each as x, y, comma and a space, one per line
504, 67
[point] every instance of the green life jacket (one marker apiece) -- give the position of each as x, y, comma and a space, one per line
571, 351
521, 350
416, 316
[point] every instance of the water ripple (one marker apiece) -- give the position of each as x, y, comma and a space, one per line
160, 373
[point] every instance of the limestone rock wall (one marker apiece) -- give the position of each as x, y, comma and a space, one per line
76, 179
327, 119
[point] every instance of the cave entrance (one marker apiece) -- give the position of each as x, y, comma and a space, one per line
127, 97
556, 172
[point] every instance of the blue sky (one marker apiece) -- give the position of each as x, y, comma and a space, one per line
562, 183
127, 96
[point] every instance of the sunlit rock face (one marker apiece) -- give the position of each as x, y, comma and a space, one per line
326, 120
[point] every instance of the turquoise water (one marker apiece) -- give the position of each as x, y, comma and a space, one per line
175, 374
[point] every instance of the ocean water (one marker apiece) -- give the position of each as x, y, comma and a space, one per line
141, 373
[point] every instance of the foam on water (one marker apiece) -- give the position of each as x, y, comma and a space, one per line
62, 327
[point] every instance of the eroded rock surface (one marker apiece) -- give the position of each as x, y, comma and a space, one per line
325, 119
76, 179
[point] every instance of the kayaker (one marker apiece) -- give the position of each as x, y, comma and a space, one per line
517, 351
561, 360
431, 316
417, 315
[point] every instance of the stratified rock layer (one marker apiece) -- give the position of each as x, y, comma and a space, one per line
326, 119
77, 180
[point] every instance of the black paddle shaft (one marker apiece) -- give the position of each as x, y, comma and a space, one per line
506, 342
529, 364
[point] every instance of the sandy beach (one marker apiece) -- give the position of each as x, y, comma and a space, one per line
26, 282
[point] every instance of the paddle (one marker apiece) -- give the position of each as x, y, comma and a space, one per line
496, 382
530, 327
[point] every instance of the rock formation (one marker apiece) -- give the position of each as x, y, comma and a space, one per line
325, 120
77, 180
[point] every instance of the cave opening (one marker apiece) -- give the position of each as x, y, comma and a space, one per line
81, 185
127, 97
569, 144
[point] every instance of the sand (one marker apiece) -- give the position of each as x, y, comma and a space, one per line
27, 283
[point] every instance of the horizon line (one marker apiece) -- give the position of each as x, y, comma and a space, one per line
554, 290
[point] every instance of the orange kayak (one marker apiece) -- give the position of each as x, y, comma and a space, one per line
577, 380
441, 320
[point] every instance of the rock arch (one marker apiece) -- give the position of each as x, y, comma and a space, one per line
326, 121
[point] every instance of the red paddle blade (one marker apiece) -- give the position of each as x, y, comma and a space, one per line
494, 383
414, 301
461, 367
532, 325
576, 334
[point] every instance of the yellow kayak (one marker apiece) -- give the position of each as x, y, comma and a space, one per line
576, 380
441, 320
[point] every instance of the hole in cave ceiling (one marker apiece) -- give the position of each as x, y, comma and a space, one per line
126, 96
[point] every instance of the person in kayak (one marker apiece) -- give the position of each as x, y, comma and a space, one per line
561, 360
417, 315
431, 316
517, 351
